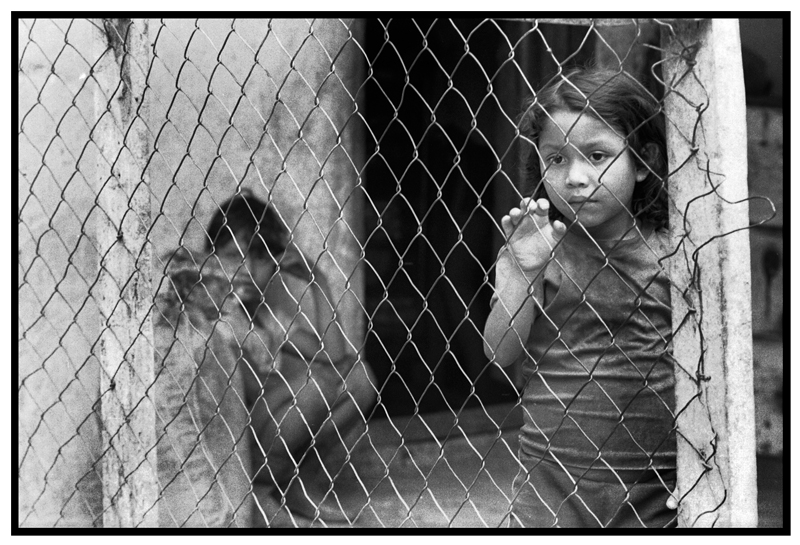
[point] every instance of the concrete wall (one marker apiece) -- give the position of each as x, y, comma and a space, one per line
58, 376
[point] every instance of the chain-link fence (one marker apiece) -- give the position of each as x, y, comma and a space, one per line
258, 259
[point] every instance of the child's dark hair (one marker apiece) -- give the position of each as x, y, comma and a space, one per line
615, 98
247, 215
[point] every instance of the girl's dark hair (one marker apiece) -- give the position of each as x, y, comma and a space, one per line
247, 215
615, 98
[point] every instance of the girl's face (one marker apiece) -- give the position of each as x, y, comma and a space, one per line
589, 173
250, 273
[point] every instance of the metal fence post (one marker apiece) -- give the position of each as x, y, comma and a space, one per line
706, 133
123, 290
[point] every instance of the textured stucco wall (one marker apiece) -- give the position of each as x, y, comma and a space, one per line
58, 376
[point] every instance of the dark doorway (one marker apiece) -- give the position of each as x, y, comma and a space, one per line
436, 178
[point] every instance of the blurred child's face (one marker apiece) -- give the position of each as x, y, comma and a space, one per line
589, 173
250, 273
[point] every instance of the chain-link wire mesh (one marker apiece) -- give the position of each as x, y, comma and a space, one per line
257, 258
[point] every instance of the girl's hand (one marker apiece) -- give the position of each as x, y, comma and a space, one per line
531, 235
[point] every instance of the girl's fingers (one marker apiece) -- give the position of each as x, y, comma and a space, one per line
538, 210
508, 227
528, 205
541, 207
559, 229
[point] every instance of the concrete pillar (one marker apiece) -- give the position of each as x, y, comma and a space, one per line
124, 292
710, 271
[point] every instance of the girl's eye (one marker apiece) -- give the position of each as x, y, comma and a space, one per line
556, 160
597, 156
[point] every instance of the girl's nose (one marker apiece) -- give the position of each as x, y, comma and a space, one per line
580, 174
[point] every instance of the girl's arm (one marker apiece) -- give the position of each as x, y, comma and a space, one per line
531, 239
509, 323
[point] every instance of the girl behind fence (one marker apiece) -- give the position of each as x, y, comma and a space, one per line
309, 399
582, 300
